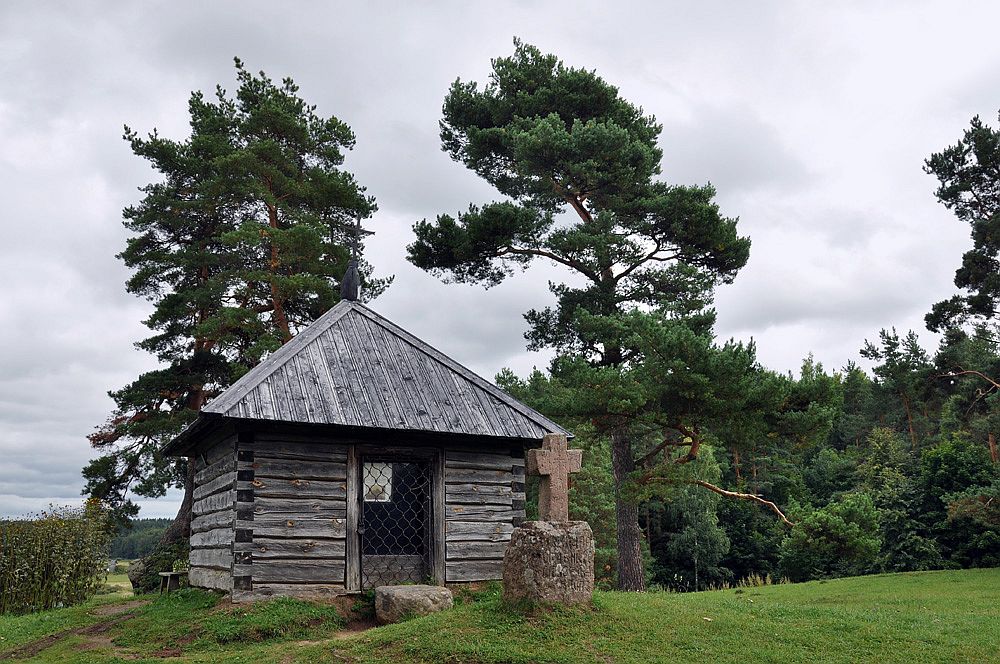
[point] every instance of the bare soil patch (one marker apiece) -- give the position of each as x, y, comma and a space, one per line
115, 609
94, 634
356, 627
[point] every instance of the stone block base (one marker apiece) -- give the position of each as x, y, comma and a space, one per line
395, 603
550, 563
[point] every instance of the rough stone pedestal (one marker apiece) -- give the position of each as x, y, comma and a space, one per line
396, 603
550, 562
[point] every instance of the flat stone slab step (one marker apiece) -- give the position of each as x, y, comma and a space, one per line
396, 603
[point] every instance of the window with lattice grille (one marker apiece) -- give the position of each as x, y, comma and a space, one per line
378, 482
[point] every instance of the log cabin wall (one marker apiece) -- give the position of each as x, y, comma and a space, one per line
276, 513
291, 520
484, 501
213, 514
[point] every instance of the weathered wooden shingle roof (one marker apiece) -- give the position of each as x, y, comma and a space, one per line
353, 367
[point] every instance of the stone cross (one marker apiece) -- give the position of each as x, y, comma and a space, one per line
554, 462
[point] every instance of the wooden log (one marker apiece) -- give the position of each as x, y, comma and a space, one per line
464, 550
219, 501
299, 571
502, 464
307, 591
213, 558
281, 448
220, 483
209, 473
273, 487
219, 537
474, 570
470, 476
214, 520
494, 531
478, 499
224, 449
268, 547
479, 494
484, 489
203, 577
480, 513
305, 470
328, 528
298, 509
478, 460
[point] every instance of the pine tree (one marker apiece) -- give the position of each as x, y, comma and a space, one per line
241, 243
550, 139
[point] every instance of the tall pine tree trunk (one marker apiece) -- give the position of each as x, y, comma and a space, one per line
277, 299
909, 423
180, 529
630, 572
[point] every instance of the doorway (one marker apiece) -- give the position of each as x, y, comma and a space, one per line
395, 521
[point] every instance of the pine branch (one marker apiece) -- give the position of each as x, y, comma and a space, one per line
971, 372
746, 496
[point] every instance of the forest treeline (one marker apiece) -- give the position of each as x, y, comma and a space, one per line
138, 539
888, 470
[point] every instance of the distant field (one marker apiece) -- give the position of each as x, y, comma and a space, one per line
120, 583
914, 618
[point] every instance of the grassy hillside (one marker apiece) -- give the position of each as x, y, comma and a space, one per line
925, 617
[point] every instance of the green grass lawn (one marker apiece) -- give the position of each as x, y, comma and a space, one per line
915, 618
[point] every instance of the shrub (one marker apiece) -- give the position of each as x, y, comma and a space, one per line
959, 467
145, 573
841, 539
981, 504
57, 559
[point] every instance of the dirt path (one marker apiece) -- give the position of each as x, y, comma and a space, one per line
118, 613
96, 636
115, 609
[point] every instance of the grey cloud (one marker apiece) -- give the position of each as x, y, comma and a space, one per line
733, 148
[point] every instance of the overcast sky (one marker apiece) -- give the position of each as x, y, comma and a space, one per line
812, 119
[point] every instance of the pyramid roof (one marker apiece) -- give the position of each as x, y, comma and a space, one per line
353, 367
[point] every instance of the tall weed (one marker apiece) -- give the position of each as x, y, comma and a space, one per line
58, 558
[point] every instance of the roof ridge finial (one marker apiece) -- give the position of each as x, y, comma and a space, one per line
352, 277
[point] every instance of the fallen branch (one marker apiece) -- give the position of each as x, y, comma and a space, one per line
746, 496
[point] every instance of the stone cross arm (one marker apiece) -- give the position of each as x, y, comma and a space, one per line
553, 462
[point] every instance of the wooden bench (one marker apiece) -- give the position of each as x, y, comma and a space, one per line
170, 581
